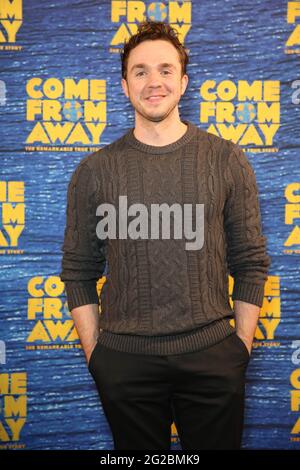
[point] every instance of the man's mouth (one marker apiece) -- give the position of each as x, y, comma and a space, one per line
155, 98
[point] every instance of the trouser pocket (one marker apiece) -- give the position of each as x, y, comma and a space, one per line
242, 346
92, 356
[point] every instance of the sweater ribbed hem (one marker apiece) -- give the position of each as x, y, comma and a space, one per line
247, 292
191, 341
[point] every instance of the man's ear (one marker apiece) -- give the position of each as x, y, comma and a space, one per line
125, 87
184, 83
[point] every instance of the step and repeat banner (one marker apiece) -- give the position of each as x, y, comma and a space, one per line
61, 99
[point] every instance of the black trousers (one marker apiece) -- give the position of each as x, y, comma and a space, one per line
202, 392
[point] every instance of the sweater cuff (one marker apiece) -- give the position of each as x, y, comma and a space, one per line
79, 294
247, 292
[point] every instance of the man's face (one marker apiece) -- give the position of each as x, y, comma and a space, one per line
154, 84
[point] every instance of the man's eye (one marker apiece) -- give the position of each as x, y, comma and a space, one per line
139, 74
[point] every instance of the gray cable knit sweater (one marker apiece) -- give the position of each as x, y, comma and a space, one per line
158, 297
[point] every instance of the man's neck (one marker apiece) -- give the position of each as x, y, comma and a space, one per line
160, 134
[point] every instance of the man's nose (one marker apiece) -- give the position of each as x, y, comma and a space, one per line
154, 79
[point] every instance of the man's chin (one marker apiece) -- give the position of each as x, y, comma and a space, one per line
155, 117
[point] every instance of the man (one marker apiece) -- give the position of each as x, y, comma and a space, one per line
163, 347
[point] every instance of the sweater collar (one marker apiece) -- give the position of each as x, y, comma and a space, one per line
187, 136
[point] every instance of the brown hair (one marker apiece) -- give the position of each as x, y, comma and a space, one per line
154, 30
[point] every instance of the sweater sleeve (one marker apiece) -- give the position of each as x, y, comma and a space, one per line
83, 260
247, 258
